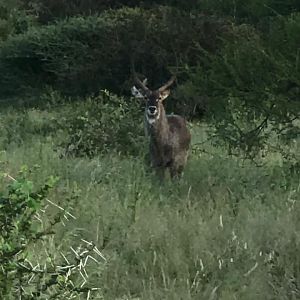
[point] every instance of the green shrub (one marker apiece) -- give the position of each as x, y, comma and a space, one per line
252, 10
26, 227
251, 88
102, 124
14, 19
81, 54
93, 126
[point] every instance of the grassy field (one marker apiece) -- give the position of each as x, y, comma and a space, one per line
229, 229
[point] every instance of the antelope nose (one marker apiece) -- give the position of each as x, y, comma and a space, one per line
152, 110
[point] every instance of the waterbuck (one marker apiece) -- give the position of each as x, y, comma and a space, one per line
168, 134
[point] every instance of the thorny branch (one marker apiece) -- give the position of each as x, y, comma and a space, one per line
65, 280
62, 275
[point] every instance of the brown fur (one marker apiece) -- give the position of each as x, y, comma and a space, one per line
169, 136
169, 143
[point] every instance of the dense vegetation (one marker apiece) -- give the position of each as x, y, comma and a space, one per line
81, 213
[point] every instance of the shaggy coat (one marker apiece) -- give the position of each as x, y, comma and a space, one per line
169, 142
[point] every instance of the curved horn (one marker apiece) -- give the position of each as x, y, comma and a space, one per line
167, 85
140, 84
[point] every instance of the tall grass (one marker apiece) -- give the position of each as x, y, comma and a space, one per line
229, 229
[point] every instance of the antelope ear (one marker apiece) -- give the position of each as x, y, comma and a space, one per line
137, 93
163, 95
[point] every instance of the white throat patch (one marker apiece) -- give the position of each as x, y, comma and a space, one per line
151, 121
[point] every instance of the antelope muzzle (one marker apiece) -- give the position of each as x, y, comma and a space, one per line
152, 111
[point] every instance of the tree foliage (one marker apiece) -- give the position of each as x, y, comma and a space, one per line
81, 54
249, 88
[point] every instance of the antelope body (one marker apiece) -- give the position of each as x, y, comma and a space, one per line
168, 135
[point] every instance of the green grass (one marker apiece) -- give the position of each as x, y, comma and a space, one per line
227, 230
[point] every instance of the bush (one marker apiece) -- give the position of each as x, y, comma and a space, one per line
103, 124
81, 54
92, 126
26, 227
252, 10
251, 88
14, 19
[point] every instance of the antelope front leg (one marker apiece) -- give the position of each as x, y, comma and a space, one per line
176, 173
159, 169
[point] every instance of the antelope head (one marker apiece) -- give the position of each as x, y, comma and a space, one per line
153, 98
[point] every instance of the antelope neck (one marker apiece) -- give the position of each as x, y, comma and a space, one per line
160, 128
